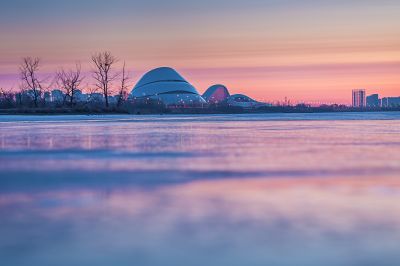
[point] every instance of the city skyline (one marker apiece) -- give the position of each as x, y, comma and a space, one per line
267, 49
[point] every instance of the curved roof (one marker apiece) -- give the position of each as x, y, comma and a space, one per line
243, 101
160, 81
241, 98
216, 93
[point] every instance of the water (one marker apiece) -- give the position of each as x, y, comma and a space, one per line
268, 189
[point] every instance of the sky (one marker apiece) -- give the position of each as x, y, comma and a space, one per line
308, 51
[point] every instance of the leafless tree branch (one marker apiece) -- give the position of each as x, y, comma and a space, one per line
102, 73
124, 87
28, 71
69, 82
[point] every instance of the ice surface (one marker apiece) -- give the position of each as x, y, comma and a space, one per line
263, 189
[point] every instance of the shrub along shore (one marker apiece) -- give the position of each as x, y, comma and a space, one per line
143, 109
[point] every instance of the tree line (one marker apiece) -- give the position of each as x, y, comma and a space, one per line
68, 81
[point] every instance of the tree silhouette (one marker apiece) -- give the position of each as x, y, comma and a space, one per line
102, 73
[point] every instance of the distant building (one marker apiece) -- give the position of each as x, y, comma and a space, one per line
165, 85
243, 101
391, 102
112, 99
57, 96
47, 96
373, 100
80, 97
359, 98
216, 94
96, 97
30, 94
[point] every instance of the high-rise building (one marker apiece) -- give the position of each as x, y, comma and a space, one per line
359, 98
391, 102
373, 100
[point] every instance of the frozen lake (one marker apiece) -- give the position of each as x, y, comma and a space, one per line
260, 189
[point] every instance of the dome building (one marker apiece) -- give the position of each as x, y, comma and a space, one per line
165, 85
243, 101
216, 94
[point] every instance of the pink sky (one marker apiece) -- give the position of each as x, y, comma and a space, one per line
302, 50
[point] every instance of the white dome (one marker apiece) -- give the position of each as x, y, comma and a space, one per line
160, 74
165, 84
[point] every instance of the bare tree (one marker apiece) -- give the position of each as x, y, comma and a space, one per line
28, 70
123, 88
102, 74
20, 95
7, 98
69, 82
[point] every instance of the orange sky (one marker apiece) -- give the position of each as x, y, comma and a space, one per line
303, 50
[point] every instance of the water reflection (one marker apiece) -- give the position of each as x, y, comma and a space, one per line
221, 190
285, 222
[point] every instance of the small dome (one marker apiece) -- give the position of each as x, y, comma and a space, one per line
216, 93
241, 100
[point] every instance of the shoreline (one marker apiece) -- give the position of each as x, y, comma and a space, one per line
192, 111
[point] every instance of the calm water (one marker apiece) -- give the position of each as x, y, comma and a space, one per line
270, 189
